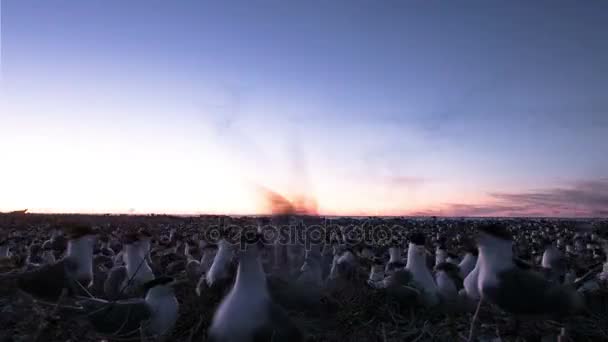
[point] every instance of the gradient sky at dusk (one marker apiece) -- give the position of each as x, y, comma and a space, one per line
371, 107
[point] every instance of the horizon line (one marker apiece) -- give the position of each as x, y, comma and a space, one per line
27, 212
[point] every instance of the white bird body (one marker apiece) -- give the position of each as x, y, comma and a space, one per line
467, 264
247, 311
551, 255
445, 286
81, 249
416, 264
376, 276
495, 256
470, 283
440, 256
219, 267
395, 255
164, 310
138, 270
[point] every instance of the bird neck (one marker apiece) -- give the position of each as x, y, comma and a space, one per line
395, 254
134, 257
145, 246
207, 258
441, 256
549, 255
496, 255
223, 252
81, 252
377, 273
469, 259
250, 275
416, 257
4, 251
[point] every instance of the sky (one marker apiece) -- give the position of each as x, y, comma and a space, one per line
472, 108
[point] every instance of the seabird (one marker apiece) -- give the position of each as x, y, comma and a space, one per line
5, 249
34, 258
145, 241
58, 240
515, 290
247, 312
48, 254
344, 264
72, 273
103, 247
441, 253
155, 314
553, 262
449, 286
376, 274
193, 266
468, 262
395, 260
416, 264
311, 272
219, 272
135, 272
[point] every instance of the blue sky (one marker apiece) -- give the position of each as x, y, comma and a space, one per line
382, 107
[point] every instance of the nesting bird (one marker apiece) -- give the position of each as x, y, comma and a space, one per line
135, 272
519, 291
154, 315
72, 273
219, 272
416, 264
247, 313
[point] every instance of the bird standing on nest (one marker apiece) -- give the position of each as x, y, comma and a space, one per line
247, 312
417, 266
154, 316
519, 291
135, 272
73, 273
468, 262
219, 272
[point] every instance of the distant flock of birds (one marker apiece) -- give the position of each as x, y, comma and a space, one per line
532, 270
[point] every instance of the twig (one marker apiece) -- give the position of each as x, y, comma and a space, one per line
474, 321
195, 330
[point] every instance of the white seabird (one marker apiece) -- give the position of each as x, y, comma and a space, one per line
155, 314
247, 312
72, 273
513, 289
468, 262
219, 271
416, 264
135, 272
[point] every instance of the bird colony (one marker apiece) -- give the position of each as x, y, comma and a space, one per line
301, 278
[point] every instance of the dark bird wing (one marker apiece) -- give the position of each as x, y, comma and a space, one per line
527, 292
47, 282
112, 285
